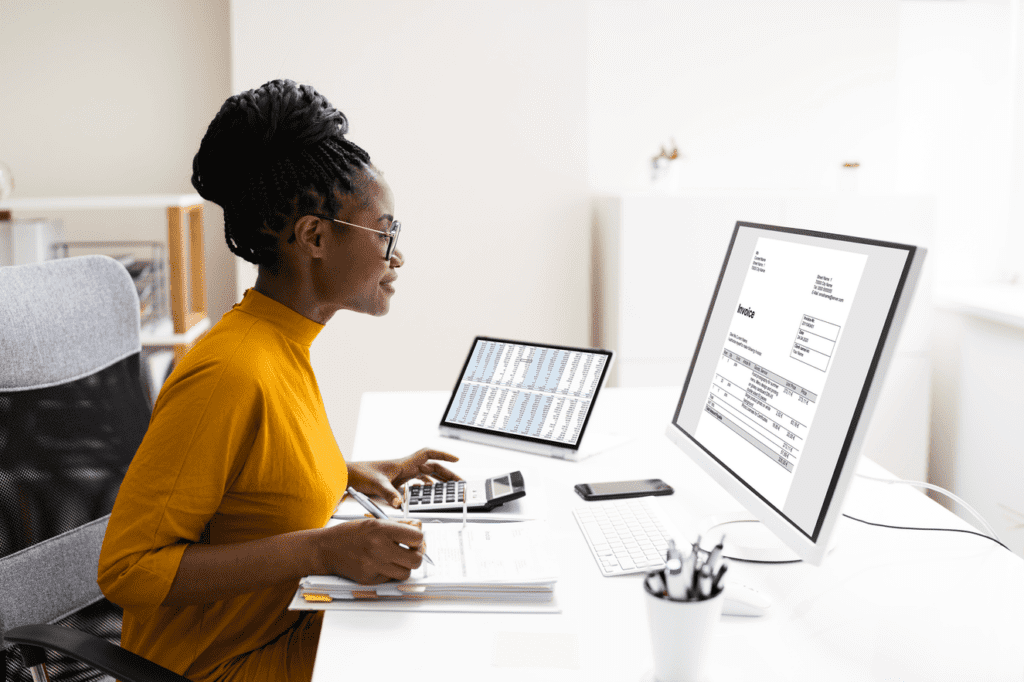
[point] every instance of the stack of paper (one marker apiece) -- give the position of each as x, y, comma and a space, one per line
481, 567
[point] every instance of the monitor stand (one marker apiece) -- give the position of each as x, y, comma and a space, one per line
748, 539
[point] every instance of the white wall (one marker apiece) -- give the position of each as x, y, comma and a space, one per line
1016, 213
957, 129
112, 97
521, 110
960, 140
765, 95
476, 112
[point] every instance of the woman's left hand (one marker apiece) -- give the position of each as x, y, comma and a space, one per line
383, 478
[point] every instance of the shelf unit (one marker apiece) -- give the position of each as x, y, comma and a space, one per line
187, 266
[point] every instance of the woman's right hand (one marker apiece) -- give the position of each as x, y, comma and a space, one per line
368, 551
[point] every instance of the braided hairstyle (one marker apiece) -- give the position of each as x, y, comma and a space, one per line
271, 155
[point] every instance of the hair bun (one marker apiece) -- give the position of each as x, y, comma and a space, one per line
257, 128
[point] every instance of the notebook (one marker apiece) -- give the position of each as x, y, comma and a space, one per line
505, 567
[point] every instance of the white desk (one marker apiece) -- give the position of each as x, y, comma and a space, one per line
886, 605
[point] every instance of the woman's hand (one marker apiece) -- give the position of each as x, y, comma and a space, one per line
383, 478
369, 551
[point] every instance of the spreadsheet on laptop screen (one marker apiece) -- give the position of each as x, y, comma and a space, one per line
527, 390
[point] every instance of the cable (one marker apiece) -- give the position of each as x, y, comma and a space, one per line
761, 561
929, 486
947, 530
992, 537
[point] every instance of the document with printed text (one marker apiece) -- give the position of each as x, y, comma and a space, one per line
776, 359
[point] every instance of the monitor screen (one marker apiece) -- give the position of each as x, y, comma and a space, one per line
528, 391
780, 378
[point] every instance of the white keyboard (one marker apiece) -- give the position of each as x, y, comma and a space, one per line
625, 536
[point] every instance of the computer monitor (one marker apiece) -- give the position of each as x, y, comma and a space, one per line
787, 371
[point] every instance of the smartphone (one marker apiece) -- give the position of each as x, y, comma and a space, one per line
614, 490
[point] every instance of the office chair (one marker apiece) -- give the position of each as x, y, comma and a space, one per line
72, 414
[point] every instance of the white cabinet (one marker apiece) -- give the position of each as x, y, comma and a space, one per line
986, 326
656, 261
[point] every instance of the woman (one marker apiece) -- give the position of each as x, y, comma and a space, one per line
223, 507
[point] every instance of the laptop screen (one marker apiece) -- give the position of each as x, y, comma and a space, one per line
528, 391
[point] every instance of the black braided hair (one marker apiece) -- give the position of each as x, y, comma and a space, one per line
271, 155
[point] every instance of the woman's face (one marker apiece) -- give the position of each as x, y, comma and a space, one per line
354, 275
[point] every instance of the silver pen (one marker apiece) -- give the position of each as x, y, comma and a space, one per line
674, 584
377, 513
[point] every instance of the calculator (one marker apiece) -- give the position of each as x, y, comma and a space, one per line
479, 496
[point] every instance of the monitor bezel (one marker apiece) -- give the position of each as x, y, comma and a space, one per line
809, 547
609, 355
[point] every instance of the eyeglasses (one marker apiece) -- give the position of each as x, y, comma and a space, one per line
392, 233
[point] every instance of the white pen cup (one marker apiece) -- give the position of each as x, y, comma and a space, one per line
681, 635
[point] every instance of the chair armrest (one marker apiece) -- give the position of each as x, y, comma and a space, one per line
97, 652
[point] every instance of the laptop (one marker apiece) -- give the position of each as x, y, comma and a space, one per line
531, 397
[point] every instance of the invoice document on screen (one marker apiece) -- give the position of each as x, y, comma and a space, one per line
776, 359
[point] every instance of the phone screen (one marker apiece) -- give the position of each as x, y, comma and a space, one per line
614, 489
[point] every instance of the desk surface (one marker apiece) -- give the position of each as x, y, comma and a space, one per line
886, 604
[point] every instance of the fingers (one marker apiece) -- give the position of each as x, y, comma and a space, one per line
439, 472
407, 532
430, 468
390, 560
429, 453
387, 492
410, 556
415, 523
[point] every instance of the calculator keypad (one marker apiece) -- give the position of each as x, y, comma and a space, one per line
449, 493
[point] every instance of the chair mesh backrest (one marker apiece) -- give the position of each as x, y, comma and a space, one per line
72, 409
72, 414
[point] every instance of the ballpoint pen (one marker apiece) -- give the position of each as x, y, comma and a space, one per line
716, 556
704, 582
717, 587
701, 559
377, 512
689, 569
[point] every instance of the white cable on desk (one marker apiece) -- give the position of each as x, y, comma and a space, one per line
921, 484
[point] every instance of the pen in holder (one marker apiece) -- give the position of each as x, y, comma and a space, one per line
684, 601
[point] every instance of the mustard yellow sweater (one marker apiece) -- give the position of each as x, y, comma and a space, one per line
238, 448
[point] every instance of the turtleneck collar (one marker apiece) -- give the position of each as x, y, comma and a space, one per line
296, 327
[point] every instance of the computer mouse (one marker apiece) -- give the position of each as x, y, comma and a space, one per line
742, 600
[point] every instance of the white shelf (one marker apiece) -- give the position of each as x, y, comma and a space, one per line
162, 333
1002, 303
100, 202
